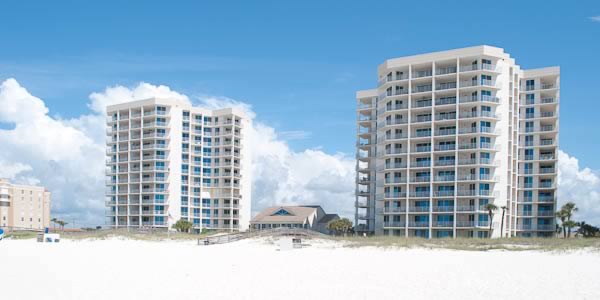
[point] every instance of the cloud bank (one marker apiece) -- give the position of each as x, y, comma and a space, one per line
67, 156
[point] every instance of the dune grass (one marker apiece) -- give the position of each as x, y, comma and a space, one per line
118, 233
471, 244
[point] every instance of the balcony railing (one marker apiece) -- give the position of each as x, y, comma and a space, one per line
394, 209
420, 164
421, 74
445, 86
480, 98
446, 70
443, 224
418, 224
400, 224
395, 194
395, 166
445, 101
395, 180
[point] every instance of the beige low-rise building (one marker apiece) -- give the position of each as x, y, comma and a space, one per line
311, 217
23, 206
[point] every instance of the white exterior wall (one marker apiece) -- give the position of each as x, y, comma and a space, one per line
387, 205
228, 202
24, 206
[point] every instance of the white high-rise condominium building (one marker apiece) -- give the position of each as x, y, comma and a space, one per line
446, 133
167, 161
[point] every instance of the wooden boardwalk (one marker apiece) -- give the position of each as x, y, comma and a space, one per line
237, 236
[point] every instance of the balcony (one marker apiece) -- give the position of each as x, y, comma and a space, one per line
422, 89
392, 195
465, 208
391, 137
420, 194
465, 224
475, 83
476, 67
480, 98
362, 106
420, 164
394, 224
394, 151
421, 74
445, 101
421, 119
444, 132
445, 116
444, 224
443, 193
420, 179
446, 162
443, 208
422, 103
394, 107
444, 178
395, 180
418, 224
445, 147
394, 122
445, 86
391, 78
446, 70
395, 166
423, 149
477, 114
394, 209
422, 133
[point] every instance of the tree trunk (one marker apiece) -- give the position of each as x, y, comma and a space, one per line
564, 232
502, 225
490, 220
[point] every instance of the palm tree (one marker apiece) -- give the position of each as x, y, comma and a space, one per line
183, 225
502, 222
567, 211
340, 226
491, 207
570, 208
54, 223
563, 217
570, 224
62, 224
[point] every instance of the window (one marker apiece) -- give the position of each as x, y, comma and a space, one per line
281, 212
529, 85
529, 99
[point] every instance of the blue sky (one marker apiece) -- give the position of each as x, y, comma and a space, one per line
299, 64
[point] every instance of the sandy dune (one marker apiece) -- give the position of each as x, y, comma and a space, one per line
126, 269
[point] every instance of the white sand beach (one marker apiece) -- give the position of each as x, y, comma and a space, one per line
252, 269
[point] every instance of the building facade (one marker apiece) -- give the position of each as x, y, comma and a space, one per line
168, 160
24, 206
311, 217
446, 133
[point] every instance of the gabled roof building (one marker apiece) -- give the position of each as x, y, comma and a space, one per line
311, 217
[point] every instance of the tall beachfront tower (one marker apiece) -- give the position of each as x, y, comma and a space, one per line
446, 133
167, 160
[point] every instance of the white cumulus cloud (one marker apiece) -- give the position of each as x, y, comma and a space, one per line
283, 176
580, 185
67, 155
